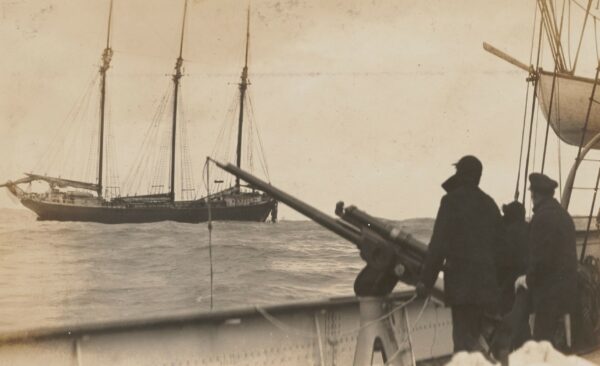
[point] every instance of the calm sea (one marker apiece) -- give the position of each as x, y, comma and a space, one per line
60, 273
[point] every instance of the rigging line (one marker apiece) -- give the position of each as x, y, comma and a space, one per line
569, 35
133, 178
533, 33
535, 82
79, 127
210, 227
522, 143
556, 37
596, 39
535, 139
587, 13
558, 139
262, 154
589, 222
410, 330
585, 126
583, 8
67, 128
560, 30
68, 119
547, 25
549, 118
526, 106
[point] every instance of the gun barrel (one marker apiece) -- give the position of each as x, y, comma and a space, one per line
388, 231
312, 213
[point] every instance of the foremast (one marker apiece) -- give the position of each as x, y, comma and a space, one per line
176, 77
243, 86
106, 57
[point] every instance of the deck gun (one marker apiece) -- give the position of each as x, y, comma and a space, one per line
391, 254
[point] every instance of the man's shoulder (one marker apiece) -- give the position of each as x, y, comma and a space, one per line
550, 211
471, 194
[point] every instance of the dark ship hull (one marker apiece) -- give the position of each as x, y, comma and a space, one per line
118, 213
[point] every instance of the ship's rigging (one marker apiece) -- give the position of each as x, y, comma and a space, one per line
569, 103
161, 183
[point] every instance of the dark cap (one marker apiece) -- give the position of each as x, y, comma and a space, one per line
514, 211
468, 165
541, 183
468, 171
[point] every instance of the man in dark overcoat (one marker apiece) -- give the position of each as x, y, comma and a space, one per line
552, 273
466, 238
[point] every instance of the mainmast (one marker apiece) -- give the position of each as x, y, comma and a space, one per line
176, 76
243, 86
106, 57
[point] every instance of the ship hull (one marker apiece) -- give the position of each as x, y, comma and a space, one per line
188, 212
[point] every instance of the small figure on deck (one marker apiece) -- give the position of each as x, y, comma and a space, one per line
466, 236
514, 254
514, 308
552, 272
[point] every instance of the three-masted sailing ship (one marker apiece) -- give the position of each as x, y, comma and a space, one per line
74, 200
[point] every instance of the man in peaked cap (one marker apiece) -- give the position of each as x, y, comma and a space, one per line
552, 273
466, 236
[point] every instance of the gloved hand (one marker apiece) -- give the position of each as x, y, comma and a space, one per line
521, 282
421, 290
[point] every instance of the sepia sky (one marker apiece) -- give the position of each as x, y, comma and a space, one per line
369, 102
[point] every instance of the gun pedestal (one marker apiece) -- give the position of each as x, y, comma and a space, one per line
377, 335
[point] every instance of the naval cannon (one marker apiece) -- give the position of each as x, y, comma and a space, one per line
391, 254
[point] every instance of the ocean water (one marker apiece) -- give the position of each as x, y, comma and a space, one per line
66, 273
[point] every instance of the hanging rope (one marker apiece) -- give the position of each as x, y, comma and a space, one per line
549, 118
587, 13
516, 196
210, 227
589, 221
558, 139
262, 155
534, 78
400, 350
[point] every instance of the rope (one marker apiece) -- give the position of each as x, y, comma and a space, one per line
587, 13
210, 227
558, 139
583, 8
549, 119
569, 37
589, 223
425, 303
525, 109
262, 154
532, 111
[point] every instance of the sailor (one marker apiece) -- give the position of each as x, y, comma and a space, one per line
513, 329
514, 255
466, 235
552, 272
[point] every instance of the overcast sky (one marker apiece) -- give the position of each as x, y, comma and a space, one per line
369, 102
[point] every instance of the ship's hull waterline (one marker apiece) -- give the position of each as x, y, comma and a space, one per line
184, 211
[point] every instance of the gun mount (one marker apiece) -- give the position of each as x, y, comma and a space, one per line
391, 254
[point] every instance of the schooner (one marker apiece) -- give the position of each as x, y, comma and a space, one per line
75, 200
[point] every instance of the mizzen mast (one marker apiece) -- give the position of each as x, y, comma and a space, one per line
243, 86
176, 77
106, 57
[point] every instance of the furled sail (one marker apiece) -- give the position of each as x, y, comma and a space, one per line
60, 182
569, 107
